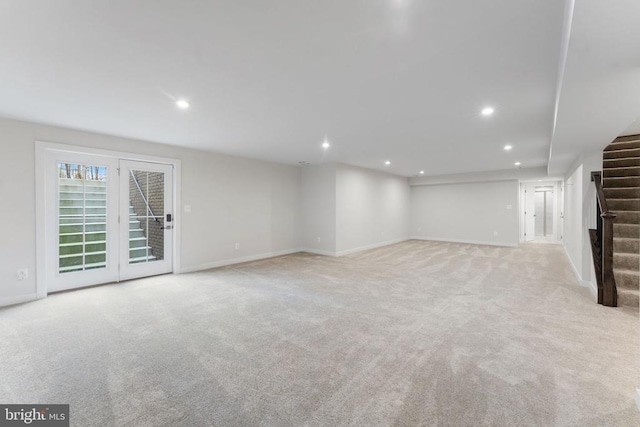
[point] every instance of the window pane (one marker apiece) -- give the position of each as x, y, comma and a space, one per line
146, 216
82, 217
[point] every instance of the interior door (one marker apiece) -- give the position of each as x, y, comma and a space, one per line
146, 219
529, 213
81, 230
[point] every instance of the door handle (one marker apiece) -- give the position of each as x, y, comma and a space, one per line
169, 226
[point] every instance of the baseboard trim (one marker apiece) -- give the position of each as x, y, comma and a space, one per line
18, 299
239, 260
594, 290
372, 246
318, 252
471, 242
587, 284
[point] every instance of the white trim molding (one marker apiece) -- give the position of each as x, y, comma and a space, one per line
18, 299
471, 242
585, 283
239, 260
318, 252
372, 246
354, 250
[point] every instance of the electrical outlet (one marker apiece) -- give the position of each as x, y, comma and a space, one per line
495, 233
23, 273
187, 208
237, 245
509, 207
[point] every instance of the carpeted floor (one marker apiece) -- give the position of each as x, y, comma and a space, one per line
417, 333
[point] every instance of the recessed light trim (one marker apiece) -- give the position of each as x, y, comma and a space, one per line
517, 163
487, 111
507, 147
326, 144
421, 172
182, 104
387, 162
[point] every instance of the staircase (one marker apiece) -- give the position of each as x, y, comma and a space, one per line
83, 227
621, 183
139, 249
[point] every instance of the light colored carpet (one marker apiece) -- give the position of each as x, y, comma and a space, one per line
418, 333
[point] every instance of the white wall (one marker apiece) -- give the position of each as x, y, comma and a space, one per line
372, 208
468, 212
347, 208
580, 215
318, 208
573, 236
591, 162
250, 202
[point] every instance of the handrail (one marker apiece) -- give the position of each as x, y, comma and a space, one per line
602, 247
596, 177
142, 195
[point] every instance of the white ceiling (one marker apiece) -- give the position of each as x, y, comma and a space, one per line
402, 80
600, 94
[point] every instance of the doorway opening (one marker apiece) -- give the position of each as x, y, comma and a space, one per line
541, 211
543, 214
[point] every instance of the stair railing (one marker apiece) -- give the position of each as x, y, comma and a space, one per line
143, 197
602, 247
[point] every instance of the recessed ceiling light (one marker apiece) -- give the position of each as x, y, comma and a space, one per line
517, 163
421, 172
387, 162
326, 144
487, 111
508, 147
182, 104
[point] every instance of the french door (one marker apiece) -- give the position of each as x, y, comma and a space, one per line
106, 219
146, 222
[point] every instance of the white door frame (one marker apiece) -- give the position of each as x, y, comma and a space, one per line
529, 216
558, 208
42, 150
